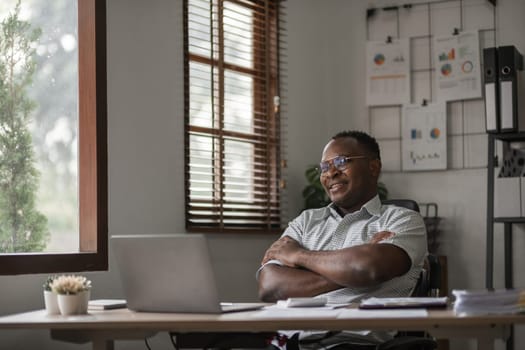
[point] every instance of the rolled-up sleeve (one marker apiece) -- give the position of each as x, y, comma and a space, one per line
269, 262
410, 234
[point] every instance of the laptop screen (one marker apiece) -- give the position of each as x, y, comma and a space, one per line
166, 273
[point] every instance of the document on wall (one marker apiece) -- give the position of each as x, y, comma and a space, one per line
388, 72
458, 72
424, 137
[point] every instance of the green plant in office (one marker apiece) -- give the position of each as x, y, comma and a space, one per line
48, 283
315, 196
22, 227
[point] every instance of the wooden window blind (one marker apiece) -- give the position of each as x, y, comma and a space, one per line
232, 131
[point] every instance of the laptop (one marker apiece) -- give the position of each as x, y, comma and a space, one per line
169, 273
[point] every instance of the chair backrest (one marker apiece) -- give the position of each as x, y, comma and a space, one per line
405, 203
429, 281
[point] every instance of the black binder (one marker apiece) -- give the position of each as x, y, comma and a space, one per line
490, 74
510, 62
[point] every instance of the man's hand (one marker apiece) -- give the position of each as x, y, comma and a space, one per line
381, 236
284, 250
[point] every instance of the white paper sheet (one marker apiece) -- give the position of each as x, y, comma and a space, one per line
457, 65
405, 302
388, 72
391, 313
424, 138
297, 312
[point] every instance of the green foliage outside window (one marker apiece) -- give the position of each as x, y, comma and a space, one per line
22, 227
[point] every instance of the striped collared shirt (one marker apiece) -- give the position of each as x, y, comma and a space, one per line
326, 229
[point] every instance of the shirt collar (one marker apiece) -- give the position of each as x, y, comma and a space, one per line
373, 207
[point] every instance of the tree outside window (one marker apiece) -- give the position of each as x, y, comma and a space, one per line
22, 227
39, 126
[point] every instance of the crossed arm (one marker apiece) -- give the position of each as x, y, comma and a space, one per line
310, 273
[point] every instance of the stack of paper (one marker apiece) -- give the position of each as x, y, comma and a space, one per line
484, 301
106, 304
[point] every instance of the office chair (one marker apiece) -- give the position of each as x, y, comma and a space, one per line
429, 282
405, 203
428, 285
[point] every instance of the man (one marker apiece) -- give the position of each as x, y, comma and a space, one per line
352, 249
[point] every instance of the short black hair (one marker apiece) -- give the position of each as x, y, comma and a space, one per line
362, 138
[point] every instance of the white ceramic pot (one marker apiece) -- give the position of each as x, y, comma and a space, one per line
84, 300
68, 304
51, 303
73, 304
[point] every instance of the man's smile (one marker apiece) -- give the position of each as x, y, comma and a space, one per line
335, 186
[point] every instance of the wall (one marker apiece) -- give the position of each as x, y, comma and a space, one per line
325, 94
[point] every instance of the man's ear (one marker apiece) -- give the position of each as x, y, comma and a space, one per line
375, 167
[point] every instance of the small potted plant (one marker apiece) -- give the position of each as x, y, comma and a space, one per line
72, 293
50, 298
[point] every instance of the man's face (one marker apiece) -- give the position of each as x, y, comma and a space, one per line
354, 185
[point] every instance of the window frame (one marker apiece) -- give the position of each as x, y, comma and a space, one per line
93, 178
272, 139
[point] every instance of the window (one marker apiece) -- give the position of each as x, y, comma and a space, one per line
232, 143
90, 152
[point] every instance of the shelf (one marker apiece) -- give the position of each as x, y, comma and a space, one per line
510, 220
511, 136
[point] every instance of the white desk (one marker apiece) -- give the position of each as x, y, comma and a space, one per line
102, 328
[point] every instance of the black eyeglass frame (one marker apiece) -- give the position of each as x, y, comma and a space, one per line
343, 165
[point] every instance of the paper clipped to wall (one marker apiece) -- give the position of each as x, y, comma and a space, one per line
388, 72
424, 139
457, 65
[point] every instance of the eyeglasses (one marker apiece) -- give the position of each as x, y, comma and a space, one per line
339, 162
